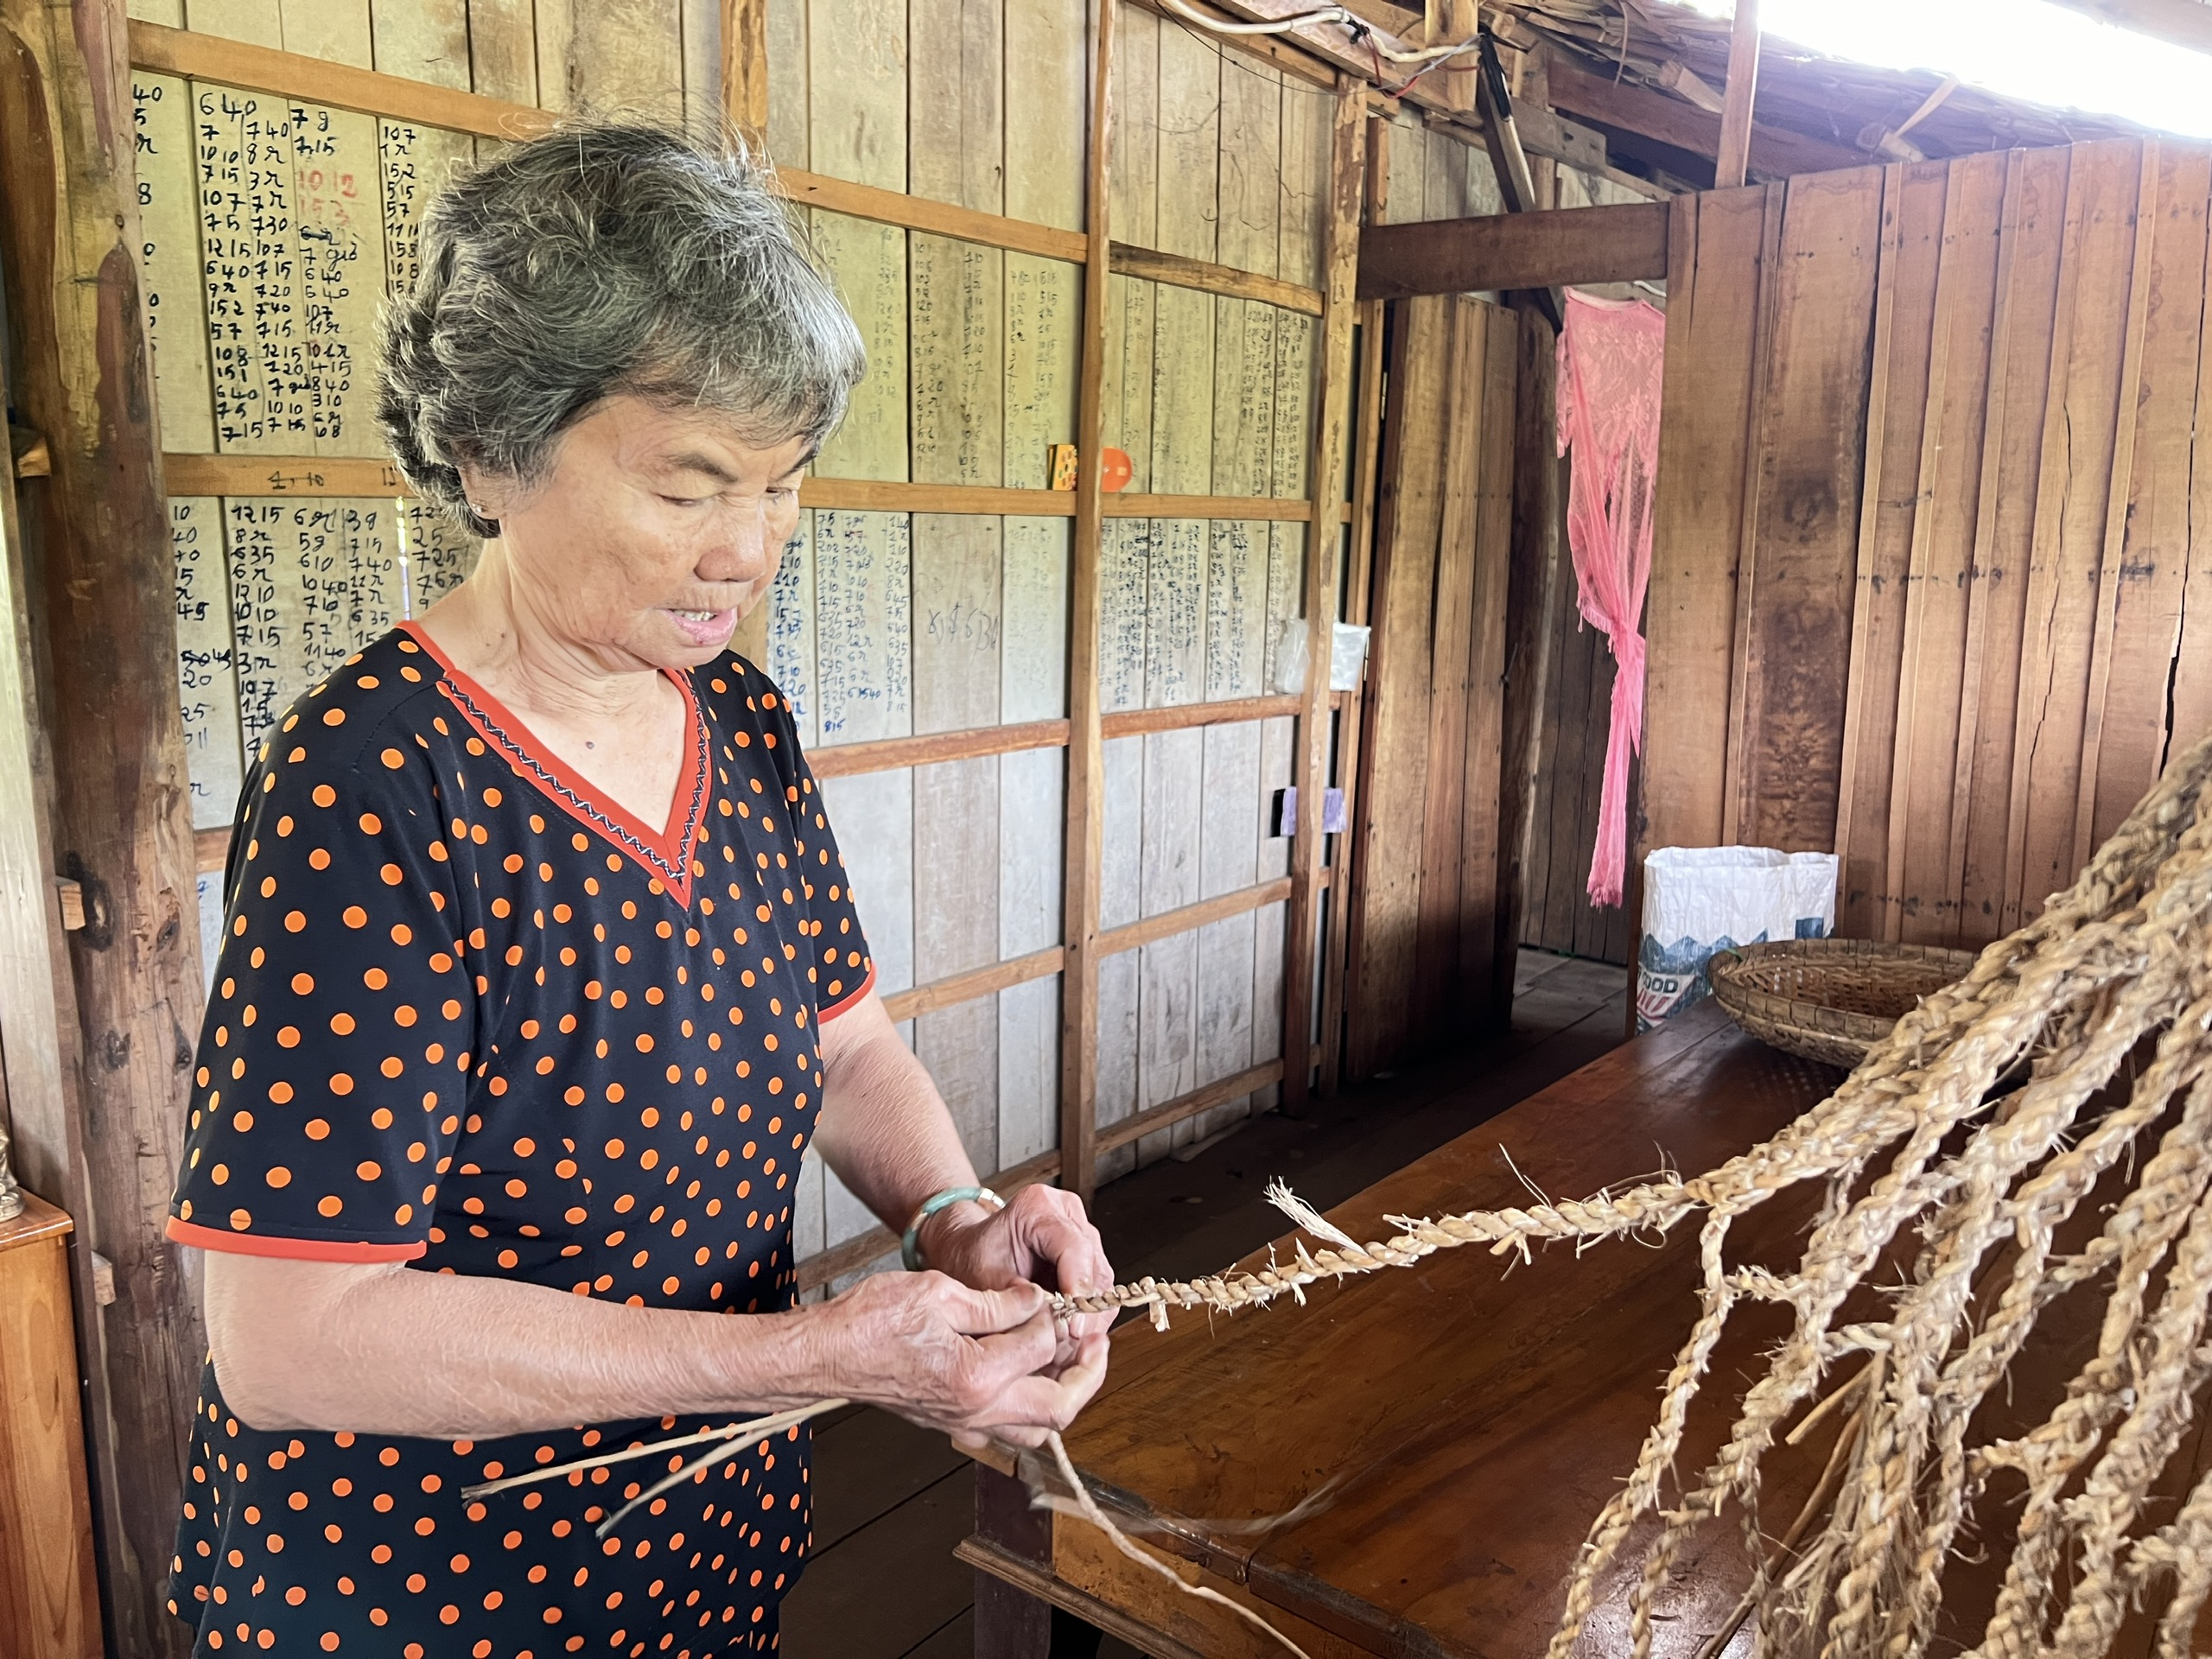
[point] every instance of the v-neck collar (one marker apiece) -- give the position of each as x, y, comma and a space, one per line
663, 853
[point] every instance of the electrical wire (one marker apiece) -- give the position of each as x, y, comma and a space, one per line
1360, 29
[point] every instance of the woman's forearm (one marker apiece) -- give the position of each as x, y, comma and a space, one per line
384, 1349
885, 1128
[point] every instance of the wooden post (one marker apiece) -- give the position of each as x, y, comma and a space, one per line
1086, 805
69, 218
1535, 567
745, 68
1323, 554
1743, 86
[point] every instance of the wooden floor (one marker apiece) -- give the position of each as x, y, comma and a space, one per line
892, 1500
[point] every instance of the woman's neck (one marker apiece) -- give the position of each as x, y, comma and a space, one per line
493, 631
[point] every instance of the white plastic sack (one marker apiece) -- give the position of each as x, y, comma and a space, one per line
1700, 899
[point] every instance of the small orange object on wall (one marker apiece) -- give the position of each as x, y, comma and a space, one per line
50, 1590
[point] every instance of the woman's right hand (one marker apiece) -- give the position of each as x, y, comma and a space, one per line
969, 1363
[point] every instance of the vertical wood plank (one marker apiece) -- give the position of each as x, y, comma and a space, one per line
745, 66
1905, 302
1927, 758
1044, 184
503, 49
1366, 444
2031, 234
1079, 1034
1534, 593
2192, 705
1483, 971
1387, 873
1436, 931
956, 387
2110, 568
1707, 400
2088, 342
2148, 575
1796, 653
1324, 553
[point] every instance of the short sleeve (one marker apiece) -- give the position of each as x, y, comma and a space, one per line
843, 971
334, 1058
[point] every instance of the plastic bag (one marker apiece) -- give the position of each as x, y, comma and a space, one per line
1700, 899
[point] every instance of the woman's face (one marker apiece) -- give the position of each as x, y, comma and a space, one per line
655, 532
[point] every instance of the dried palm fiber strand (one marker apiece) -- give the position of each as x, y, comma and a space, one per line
2121, 959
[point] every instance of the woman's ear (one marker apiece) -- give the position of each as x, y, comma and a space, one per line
489, 494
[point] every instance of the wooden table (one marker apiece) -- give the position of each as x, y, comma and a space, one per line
1464, 1420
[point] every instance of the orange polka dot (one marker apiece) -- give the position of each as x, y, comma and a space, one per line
393, 758
324, 794
278, 1176
317, 1129
356, 917
330, 1206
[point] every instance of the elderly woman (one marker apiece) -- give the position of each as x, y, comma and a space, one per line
541, 972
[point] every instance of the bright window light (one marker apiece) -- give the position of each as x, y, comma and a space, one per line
2025, 49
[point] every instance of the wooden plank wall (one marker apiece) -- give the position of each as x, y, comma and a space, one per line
1933, 583
920, 620
1425, 871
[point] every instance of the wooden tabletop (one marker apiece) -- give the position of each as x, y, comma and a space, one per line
1455, 1427
37, 1219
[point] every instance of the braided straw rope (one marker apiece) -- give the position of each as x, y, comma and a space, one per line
2117, 969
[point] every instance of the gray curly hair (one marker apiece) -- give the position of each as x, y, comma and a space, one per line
608, 256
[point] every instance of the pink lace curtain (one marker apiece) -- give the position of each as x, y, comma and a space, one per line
1610, 353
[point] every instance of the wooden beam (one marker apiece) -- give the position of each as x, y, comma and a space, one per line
1169, 1113
1549, 248
2178, 23
745, 68
1179, 272
891, 753
317, 475
1083, 848
1323, 554
293, 75
938, 218
1775, 151
1735, 158
82, 376
212, 848
1186, 917
1135, 722
957, 989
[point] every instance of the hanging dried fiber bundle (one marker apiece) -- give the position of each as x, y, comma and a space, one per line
2079, 1047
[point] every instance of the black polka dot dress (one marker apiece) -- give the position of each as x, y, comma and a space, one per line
471, 1016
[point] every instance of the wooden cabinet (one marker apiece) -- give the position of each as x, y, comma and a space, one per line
49, 1593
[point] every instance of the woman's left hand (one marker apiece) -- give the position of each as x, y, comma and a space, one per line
1042, 1236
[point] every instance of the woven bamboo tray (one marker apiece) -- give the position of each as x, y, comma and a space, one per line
1829, 999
